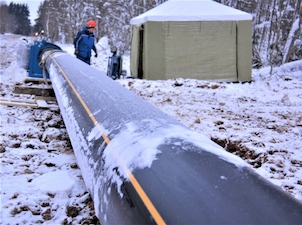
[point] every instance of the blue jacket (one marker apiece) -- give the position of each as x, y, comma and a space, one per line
84, 42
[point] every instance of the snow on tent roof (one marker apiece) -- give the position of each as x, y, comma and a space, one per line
191, 10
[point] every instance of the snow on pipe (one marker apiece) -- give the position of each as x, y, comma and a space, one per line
143, 167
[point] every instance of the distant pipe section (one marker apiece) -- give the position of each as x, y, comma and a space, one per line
143, 167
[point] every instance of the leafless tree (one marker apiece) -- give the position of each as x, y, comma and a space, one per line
277, 28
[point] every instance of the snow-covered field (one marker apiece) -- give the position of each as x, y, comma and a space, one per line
260, 121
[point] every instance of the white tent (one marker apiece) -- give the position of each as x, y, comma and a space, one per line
191, 10
199, 39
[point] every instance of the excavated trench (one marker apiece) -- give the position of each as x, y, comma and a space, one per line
236, 148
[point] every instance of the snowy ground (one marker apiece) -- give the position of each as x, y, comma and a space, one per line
260, 121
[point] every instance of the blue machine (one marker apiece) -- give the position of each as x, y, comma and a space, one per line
115, 65
36, 51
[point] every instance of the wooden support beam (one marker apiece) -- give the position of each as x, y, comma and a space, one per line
36, 80
33, 89
33, 103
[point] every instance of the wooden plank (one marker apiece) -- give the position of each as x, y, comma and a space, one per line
9, 103
37, 103
29, 101
34, 90
36, 80
45, 98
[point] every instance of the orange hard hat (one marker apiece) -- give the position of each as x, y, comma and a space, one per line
91, 23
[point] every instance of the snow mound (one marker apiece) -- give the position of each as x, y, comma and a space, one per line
61, 182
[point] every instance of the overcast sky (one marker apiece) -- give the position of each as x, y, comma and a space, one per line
33, 6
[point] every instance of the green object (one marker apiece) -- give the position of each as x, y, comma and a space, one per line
192, 39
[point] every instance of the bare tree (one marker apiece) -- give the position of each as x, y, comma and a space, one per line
276, 29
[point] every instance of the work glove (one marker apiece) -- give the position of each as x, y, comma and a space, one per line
76, 52
96, 54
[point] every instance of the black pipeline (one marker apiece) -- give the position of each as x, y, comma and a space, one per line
143, 167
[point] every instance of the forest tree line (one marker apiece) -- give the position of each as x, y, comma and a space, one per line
277, 36
14, 18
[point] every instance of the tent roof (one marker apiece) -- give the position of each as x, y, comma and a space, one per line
191, 10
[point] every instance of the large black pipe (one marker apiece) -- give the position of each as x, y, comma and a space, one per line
143, 167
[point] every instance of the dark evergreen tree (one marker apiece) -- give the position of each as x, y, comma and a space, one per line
4, 17
21, 14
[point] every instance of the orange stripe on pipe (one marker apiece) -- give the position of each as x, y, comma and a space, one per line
151, 208
140, 191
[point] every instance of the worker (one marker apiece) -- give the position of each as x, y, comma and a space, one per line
84, 42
